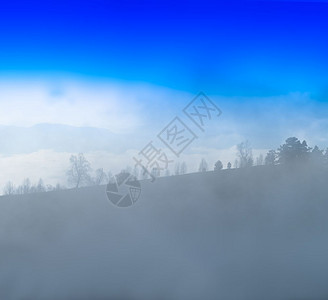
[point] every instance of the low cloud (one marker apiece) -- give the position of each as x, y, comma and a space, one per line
106, 119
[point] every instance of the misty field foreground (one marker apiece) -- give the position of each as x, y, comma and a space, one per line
252, 233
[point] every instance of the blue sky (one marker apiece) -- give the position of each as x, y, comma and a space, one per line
229, 48
129, 67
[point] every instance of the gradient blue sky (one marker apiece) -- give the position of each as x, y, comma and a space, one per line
126, 68
229, 48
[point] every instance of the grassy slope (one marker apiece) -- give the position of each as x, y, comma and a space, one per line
258, 233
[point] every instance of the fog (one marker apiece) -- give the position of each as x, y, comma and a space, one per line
256, 233
164, 150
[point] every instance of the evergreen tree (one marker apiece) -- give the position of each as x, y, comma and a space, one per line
316, 156
218, 166
293, 151
271, 158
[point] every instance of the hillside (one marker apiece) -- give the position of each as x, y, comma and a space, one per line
258, 233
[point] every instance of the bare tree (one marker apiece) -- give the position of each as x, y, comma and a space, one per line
100, 177
26, 186
9, 188
79, 172
203, 166
236, 164
244, 152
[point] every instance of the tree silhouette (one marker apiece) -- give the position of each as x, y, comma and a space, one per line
293, 151
218, 166
229, 165
9, 188
26, 186
40, 186
203, 166
59, 187
244, 152
271, 158
316, 156
236, 164
100, 177
79, 172
325, 158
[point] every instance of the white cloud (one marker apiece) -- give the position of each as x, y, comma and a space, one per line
115, 106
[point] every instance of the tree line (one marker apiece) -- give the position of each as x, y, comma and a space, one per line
27, 187
78, 174
293, 151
